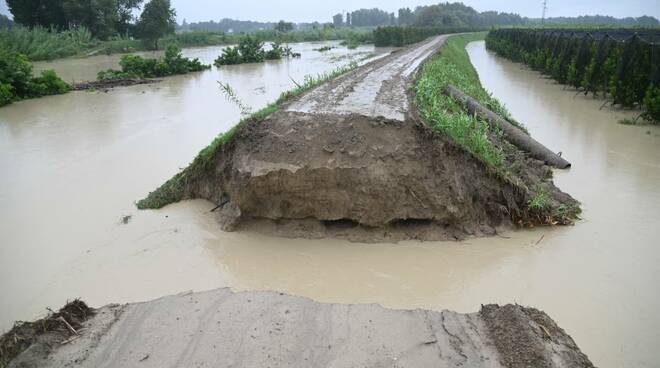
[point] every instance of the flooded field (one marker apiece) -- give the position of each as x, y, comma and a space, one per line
74, 164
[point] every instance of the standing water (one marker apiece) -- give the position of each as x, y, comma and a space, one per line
73, 165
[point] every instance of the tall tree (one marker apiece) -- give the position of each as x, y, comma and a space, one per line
284, 27
31, 13
99, 16
125, 17
406, 16
104, 18
156, 21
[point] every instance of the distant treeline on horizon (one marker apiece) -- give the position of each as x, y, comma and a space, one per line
450, 15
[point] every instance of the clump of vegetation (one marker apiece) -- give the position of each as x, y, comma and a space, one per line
617, 64
483, 141
134, 66
251, 50
18, 83
174, 190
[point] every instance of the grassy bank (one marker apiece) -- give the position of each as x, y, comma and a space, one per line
444, 114
174, 189
448, 117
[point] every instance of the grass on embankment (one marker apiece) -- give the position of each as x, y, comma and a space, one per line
445, 115
174, 189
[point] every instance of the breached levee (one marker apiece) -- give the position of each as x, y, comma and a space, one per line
221, 328
352, 159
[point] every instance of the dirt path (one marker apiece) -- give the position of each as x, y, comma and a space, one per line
267, 329
376, 90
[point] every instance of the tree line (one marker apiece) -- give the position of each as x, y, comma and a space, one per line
460, 15
623, 67
103, 18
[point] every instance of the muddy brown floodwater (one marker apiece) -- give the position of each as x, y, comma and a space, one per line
73, 164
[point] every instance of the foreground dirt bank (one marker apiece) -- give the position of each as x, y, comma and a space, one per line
268, 329
352, 159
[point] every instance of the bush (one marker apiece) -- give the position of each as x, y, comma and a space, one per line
48, 84
652, 104
6, 95
250, 49
134, 66
17, 82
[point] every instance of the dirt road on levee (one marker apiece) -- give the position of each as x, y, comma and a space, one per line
352, 159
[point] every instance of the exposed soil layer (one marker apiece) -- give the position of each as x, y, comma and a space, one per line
112, 83
268, 329
352, 159
40, 336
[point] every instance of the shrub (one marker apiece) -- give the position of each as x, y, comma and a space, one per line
47, 84
135, 66
230, 56
250, 49
17, 82
652, 103
6, 95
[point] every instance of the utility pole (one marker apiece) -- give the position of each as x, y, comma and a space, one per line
545, 9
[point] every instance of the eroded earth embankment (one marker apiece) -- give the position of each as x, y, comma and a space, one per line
221, 328
352, 159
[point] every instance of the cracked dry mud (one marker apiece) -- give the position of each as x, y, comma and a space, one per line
221, 328
351, 159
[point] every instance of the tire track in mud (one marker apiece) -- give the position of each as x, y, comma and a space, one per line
376, 90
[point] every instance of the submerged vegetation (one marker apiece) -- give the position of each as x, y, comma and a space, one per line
18, 83
483, 141
251, 50
174, 190
618, 64
134, 66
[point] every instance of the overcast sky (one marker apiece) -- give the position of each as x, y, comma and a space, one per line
310, 10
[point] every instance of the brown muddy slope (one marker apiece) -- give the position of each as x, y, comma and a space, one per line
221, 328
351, 159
